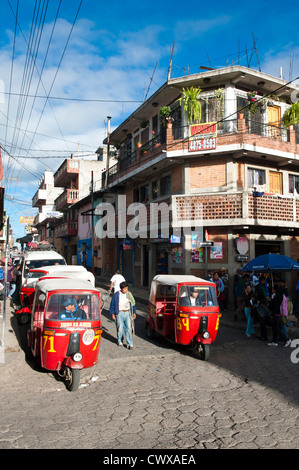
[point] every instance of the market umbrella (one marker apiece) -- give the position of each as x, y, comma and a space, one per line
271, 262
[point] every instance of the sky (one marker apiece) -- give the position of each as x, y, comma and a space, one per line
68, 64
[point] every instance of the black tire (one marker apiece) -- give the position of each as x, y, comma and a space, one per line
202, 351
23, 319
72, 379
150, 332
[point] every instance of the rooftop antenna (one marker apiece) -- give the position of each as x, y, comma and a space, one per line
150, 81
170, 62
257, 56
291, 66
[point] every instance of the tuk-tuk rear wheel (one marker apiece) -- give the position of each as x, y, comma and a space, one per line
150, 332
202, 351
72, 379
23, 319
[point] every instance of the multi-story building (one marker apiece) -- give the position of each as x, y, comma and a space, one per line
230, 179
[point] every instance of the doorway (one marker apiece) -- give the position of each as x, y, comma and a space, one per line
266, 247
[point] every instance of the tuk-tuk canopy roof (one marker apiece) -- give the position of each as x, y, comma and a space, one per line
48, 285
173, 280
59, 267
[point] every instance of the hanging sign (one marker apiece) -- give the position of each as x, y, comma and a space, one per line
203, 137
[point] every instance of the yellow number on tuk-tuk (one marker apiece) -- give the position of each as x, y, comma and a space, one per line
51, 341
180, 322
97, 337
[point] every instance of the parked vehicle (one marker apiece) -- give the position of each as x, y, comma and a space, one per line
65, 330
63, 271
35, 258
184, 310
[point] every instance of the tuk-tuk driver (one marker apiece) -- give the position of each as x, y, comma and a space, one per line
191, 299
72, 311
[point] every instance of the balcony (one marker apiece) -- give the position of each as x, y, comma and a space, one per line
235, 209
68, 197
232, 136
67, 172
39, 198
68, 228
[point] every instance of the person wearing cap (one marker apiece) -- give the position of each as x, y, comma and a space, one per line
191, 300
120, 309
72, 311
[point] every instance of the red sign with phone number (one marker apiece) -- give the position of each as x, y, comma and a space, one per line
203, 137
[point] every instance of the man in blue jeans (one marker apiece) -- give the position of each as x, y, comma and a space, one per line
120, 309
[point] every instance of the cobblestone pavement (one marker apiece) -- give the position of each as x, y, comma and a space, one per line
156, 396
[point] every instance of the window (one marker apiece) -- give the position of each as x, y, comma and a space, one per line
255, 177
293, 183
155, 189
165, 185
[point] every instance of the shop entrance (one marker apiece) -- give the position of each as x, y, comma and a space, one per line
266, 247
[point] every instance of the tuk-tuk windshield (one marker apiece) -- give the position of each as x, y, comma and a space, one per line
32, 279
73, 307
198, 296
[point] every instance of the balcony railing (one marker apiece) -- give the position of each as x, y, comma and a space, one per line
179, 140
67, 228
69, 196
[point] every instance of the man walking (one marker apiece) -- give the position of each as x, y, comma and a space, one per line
122, 304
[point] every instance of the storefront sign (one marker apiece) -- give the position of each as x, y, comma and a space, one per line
203, 137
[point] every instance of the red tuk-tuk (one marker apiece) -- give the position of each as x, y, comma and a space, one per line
184, 310
65, 332
33, 275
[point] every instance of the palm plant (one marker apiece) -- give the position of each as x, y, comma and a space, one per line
191, 104
291, 116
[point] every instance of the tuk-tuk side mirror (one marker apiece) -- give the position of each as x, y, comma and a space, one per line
42, 297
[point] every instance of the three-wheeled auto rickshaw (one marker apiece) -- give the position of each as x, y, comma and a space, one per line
184, 310
33, 275
65, 331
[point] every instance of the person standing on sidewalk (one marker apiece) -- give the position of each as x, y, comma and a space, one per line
123, 312
248, 300
115, 281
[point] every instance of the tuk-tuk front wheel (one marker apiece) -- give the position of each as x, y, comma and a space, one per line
72, 379
202, 351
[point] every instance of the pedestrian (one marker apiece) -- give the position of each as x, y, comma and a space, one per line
248, 303
239, 291
115, 281
274, 306
219, 289
11, 283
224, 278
123, 312
17, 277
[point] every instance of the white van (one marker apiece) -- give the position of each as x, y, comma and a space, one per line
37, 258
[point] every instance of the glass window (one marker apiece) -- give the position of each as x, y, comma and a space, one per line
165, 185
198, 296
155, 189
293, 183
73, 307
256, 177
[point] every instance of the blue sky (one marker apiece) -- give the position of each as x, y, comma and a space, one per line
114, 52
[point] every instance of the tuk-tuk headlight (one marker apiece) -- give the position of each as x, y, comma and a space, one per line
77, 357
206, 335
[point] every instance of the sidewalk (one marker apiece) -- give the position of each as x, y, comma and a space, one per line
9, 345
141, 295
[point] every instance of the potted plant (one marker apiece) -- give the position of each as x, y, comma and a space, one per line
165, 114
191, 104
291, 116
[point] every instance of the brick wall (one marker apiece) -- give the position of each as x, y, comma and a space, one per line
270, 207
205, 175
213, 207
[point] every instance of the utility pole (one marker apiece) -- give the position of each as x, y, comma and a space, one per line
92, 226
5, 284
108, 151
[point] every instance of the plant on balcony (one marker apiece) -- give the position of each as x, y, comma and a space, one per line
254, 103
191, 104
165, 115
291, 116
144, 124
219, 95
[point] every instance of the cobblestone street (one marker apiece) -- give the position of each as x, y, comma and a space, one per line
156, 396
